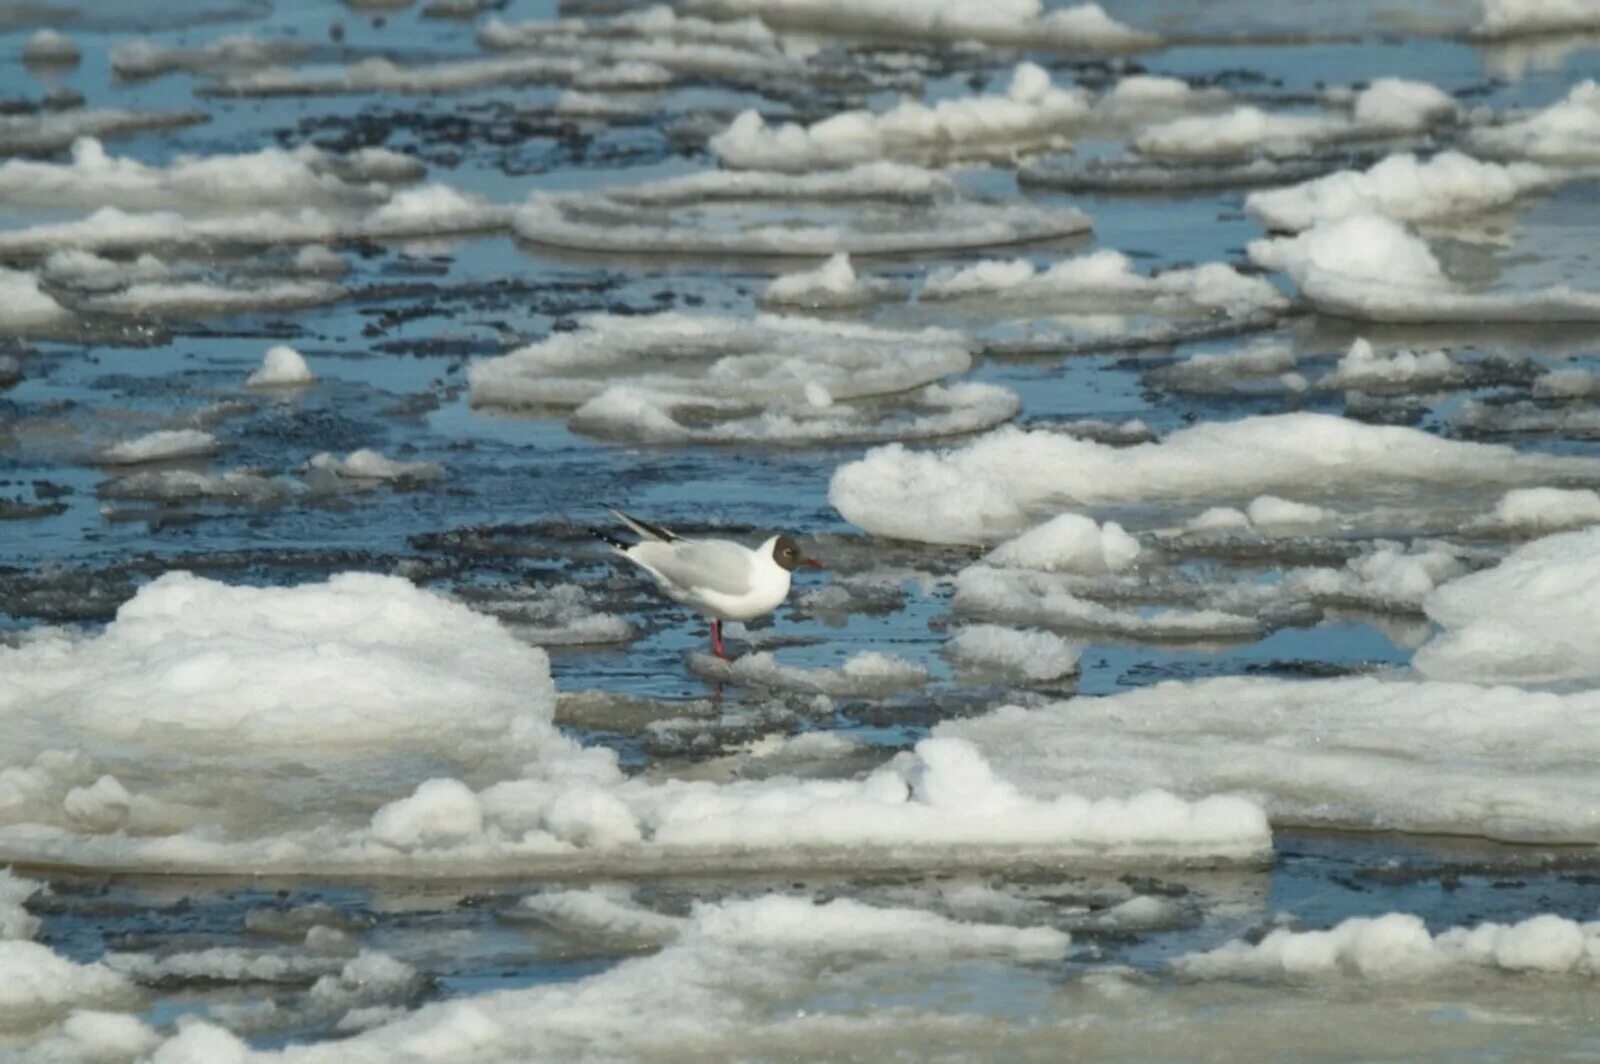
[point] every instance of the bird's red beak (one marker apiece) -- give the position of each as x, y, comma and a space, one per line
812, 563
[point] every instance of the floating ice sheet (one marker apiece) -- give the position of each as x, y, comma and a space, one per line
1009, 22
382, 75
1398, 946
1360, 753
1372, 268
603, 222
50, 131
1528, 619
161, 446
147, 59
431, 210
267, 178
1403, 188
322, 728
995, 485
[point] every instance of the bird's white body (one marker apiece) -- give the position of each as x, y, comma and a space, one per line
718, 578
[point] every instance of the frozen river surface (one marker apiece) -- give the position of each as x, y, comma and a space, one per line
1194, 405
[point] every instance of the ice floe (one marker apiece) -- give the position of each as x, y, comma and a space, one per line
161, 446
192, 299
1034, 655
281, 367
1363, 368
25, 307
834, 284
1547, 509
429, 210
1359, 753
999, 483
1032, 112
680, 378
1388, 107
1372, 268
1400, 187
266, 178
377, 75
1010, 22
360, 681
47, 47
608, 222
245, 486
40, 134
1514, 18
1528, 619
867, 674
1105, 281
1399, 946
365, 466
1049, 600
1568, 131
146, 59
1071, 543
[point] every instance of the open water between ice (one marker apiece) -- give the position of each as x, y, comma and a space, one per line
1194, 405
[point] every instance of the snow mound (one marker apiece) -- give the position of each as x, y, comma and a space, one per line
25, 307
1362, 368
999, 483
1547, 509
49, 47
833, 285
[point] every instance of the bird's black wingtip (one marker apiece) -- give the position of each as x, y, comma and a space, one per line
607, 538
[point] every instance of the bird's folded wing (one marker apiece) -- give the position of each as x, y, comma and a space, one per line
711, 564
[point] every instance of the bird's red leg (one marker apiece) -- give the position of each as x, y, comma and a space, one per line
716, 640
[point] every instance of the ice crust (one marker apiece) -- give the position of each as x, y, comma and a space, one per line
161, 446
49, 131
1001, 482
358, 685
1034, 655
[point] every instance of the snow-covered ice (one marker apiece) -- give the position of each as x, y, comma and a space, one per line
997, 484
1403, 188
1009, 22
1030, 653
47, 46
160, 446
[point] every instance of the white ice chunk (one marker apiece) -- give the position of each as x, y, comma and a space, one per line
144, 59
281, 367
1068, 543
50, 131
833, 284
1528, 619
15, 921
1547, 509
48, 46
1032, 654
271, 177
24, 306
383, 75
33, 978
1105, 280
202, 298
368, 464
1006, 22
869, 673
1032, 112
440, 811
1363, 368
1568, 131
1270, 511
1400, 187
1513, 18
1359, 753
1372, 268
1398, 946
1046, 599
161, 446
998, 483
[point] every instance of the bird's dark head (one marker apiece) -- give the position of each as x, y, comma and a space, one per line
786, 552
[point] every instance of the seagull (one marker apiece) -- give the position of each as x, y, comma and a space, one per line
718, 578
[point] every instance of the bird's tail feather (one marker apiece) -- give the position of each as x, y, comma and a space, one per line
644, 528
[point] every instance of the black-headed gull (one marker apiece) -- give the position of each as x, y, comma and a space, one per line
718, 578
